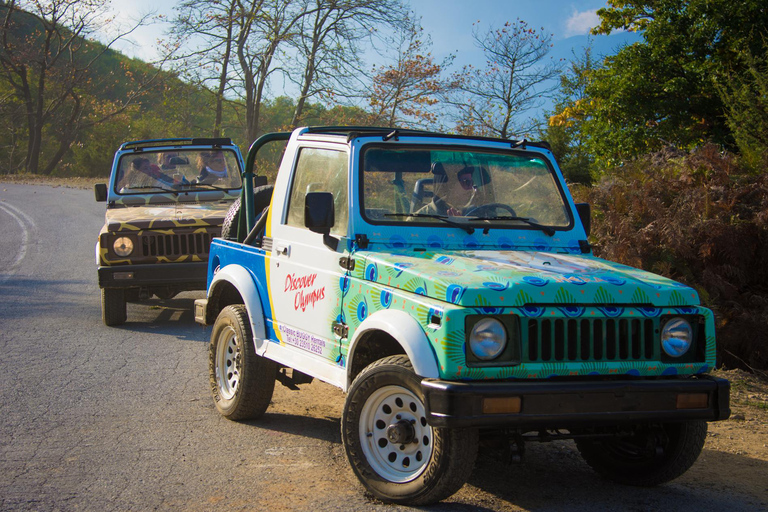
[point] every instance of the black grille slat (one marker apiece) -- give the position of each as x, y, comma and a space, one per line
177, 245
590, 339
648, 338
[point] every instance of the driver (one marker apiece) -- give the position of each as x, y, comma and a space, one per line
452, 195
148, 174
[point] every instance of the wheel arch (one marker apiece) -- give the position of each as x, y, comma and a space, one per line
387, 333
233, 284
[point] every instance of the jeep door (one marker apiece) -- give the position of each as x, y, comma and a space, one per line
306, 277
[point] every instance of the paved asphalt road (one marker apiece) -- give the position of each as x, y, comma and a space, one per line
98, 418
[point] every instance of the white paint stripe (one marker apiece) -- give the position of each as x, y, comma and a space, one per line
22, 219
21, 213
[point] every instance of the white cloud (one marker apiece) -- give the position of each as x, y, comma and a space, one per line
580, 23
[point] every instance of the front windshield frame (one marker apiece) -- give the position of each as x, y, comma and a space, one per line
187, 172
401, 219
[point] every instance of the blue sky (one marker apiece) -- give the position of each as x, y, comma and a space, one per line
448, 22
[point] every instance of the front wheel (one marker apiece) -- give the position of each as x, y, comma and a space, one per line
113, 308
651, 455
241, 381
392, 449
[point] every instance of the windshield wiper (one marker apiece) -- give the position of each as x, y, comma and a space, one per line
215, 187
546, 229
154, 187
447, 220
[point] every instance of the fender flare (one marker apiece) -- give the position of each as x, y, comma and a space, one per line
407, 331
247, 286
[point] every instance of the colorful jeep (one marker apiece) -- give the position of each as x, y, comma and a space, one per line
447, 284
166, 200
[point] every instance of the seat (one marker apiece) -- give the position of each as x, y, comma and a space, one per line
422, 193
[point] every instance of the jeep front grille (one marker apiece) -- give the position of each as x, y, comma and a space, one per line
589, 339
176, 245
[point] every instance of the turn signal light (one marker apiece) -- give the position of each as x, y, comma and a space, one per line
692, 401
502, 405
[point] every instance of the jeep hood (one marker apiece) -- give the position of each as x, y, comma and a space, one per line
495, 279
166, 216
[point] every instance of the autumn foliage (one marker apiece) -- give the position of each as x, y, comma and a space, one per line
700, 219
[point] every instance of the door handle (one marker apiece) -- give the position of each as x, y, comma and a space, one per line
282, 250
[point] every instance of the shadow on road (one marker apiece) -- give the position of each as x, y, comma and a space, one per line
553, 477
170, 316
324, 429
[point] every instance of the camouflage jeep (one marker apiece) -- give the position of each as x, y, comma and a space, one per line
166, 200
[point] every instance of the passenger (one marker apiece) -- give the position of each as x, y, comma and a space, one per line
212, 166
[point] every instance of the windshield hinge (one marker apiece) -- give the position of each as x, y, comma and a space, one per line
340, 329
392, 135
585, 247
361, 241
347, 263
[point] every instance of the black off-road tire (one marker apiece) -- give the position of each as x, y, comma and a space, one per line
439, 460
241, 381
113, 308
652, 456
262, 196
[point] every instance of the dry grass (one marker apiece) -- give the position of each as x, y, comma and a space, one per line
32, 179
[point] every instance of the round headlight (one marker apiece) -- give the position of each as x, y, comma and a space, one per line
123, 246
488, 339
676, 337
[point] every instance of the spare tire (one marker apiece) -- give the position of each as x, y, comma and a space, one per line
262, 196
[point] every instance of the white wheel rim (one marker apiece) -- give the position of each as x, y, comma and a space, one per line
387, 412
228, 363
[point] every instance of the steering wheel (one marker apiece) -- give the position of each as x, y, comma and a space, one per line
490, 207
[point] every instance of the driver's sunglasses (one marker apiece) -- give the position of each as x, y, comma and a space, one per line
466, 182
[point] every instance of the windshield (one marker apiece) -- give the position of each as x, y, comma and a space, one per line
174, 170
425, 185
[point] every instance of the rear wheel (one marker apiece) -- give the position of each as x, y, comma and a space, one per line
241, 381
113, 309
652, 455
392, 449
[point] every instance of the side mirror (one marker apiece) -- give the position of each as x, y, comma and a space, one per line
318, 212
100, 191
259, 181
585, 214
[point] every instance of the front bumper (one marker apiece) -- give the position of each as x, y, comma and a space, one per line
180, 276
565, 404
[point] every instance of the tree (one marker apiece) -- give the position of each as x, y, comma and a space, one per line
662, 91
233, 46
263, 27
406, 91
515, 80
209, 62
565, 128
746, 98
328, 46
47, 60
